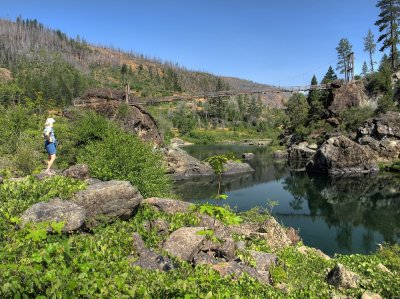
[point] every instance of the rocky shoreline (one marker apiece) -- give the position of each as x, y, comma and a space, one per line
377, 141
226, 253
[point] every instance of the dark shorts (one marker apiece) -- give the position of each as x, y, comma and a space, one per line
50, 148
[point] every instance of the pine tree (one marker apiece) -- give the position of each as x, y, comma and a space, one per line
329, 77
365, 69
388, 27
370, 47
314, 101
124, 71
343, 49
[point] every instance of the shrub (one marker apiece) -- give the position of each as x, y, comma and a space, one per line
123, 156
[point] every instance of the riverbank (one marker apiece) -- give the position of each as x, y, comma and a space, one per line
110, 257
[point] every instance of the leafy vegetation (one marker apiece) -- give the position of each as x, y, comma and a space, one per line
97, 266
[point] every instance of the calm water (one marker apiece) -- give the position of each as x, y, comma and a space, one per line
337, 215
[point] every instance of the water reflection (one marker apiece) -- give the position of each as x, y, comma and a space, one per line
337, 215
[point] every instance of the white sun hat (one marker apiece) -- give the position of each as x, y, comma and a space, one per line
50, 121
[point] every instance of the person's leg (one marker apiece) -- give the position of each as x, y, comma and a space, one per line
50, 161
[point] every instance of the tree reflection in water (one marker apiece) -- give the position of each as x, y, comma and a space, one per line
371, 201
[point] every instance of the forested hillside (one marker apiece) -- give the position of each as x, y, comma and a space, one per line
48, 64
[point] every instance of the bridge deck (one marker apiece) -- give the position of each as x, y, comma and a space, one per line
168, 99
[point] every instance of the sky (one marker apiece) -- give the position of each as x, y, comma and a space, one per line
277, 42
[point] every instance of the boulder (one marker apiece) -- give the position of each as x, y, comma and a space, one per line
182, 166
169, 206
112, 199
79, 171
184, 243
280, 155
273, 233
339, 276
386, 149
383, 126
301, 152
147, 258
236, 168
370, 295
56, 210
248, 156
264, 261
236, 270
340, 155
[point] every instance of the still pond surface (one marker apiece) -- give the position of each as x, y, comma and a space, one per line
337, 215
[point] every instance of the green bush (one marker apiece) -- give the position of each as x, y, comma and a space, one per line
123, 156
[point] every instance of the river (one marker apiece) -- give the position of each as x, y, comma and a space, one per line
337, 215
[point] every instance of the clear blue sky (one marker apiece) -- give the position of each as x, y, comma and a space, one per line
280, 42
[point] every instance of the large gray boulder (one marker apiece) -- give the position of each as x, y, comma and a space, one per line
236, 168
166, 205
182, 166
112, 199
78, 171
184, 243
301, 152
56, 210
340, 155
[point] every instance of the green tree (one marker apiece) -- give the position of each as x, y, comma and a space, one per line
314, 101
370, 47
124, 71
365, 69
388, 27
343, 49
329, 77
297, 110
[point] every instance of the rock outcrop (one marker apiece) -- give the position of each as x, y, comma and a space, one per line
301, 152
340, 155
347, 96
112, 199
56, 210
133, 117
382, 135
182, 166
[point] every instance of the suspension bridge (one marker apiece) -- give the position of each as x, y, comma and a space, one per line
208, 95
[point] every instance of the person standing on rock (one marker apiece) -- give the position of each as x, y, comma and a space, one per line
50, 142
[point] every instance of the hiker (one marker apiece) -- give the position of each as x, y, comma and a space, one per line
50, 142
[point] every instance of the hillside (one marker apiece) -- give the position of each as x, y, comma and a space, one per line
48, 61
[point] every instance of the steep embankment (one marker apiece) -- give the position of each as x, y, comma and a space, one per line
73, 64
